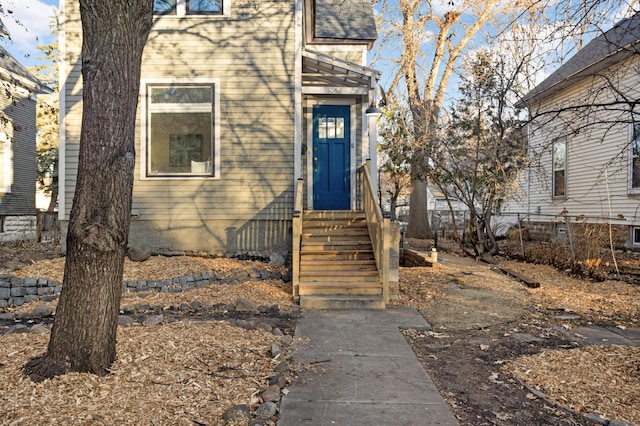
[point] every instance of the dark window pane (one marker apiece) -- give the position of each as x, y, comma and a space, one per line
558, 183
180, 144
635, 178
164, 6
636, 235
204, 6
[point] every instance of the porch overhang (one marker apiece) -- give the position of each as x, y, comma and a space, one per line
325, 75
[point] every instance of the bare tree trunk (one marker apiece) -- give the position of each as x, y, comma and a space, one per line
83, 337
418, 226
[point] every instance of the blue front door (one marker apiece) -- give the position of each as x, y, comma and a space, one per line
331, 162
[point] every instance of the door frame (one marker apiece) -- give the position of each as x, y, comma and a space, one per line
351, 102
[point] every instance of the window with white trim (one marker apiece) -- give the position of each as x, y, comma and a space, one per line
635, 235
559, 165
6, 168
190, 7
180, 136
634, 156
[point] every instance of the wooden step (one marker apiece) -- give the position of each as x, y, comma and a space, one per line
340, 288
335, 245
333, 214
337, 264
334, 224
322, 302
337, 255
340, 276
354, 232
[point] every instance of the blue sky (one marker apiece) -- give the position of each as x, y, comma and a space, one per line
29, 26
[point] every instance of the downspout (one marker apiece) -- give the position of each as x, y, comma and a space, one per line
297, 95
62, 109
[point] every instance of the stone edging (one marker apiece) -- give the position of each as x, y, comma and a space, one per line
16, 291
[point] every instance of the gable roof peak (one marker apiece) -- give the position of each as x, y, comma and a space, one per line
609, 48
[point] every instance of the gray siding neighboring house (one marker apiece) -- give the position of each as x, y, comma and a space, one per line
584, 141
253, 73
18, 166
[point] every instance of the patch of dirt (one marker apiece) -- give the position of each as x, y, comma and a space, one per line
18, 254
496, 345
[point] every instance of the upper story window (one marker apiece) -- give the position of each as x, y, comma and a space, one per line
6, 169
204, 6
634, 157
190, 7
161, 7
181, 130
559, 164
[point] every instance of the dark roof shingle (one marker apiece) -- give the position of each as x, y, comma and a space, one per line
345, 19
13, 68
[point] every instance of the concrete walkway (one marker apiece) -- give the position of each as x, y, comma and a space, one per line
363, 372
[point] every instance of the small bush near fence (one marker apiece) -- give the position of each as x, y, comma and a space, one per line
583, 249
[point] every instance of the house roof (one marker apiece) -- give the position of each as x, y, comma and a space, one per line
13, 71
345, 20
611, 47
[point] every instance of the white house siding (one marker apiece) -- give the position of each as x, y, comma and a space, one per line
20, 109
247, 208
597, 155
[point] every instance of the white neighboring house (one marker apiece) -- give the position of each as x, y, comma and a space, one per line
18, 167
584, 141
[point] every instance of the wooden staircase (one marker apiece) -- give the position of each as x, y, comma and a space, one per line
337, 265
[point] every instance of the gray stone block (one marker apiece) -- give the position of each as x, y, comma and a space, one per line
266, 410
153, 320
5, 293
139, 254
30, 298
44, 290
30, 282
17, 282
4, 303
31, 290
49, 298
18, 291
42, 311
16, 301
42, 282
125, 320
